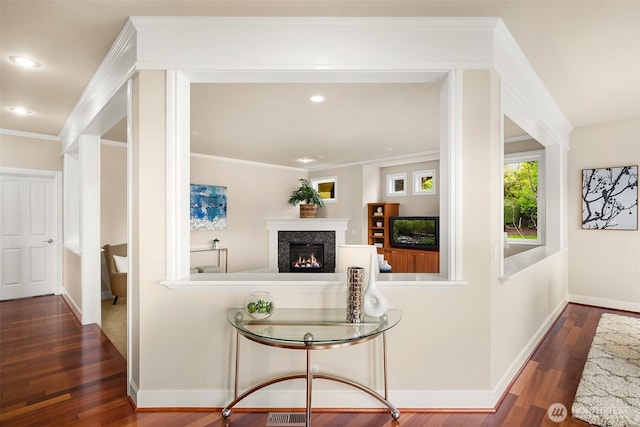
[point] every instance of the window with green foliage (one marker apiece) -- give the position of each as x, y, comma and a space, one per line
522, 196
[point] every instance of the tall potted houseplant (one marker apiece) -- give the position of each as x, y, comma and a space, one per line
308, 198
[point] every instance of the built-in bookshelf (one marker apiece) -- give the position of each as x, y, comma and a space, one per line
378, 230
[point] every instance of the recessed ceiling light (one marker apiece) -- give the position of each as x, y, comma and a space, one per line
305, 160
25, 61
21, 111
317, 98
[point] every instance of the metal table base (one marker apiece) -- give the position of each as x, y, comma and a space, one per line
309, 377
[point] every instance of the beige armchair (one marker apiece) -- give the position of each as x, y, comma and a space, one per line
117, 278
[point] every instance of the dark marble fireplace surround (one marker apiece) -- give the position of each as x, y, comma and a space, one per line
326, 238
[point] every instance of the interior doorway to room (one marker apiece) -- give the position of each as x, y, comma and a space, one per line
113, 229
29, 233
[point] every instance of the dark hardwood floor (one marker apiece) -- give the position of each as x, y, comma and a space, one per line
55, 372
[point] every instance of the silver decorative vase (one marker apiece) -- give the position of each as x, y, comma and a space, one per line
355, 294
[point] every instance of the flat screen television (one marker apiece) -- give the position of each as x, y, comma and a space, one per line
415, 232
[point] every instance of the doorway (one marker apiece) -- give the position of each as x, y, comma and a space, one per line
29, 233
113, 228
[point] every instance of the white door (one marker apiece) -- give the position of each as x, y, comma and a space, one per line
28, 234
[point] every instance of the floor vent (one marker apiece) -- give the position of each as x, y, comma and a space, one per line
287, 419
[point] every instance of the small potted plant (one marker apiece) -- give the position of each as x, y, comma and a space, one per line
260, 305
308, 198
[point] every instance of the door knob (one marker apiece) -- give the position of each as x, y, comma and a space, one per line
48, 241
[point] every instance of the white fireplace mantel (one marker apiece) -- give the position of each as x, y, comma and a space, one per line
274, 225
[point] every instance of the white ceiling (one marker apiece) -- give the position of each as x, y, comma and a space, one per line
587, 53
356, 122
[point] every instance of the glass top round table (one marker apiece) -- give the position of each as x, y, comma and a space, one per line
310, 328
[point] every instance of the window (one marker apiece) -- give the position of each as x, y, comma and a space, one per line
424, 182
523, 196
327, 188
396, 184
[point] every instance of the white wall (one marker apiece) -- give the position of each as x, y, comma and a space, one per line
350, 203
150, 339
603, 264
444, 352
29, 153
254, 192
427, 204
523, 308
113, 202
113, 194
182, 346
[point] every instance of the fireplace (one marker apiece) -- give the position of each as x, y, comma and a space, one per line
306, 258
306, 252
329, 232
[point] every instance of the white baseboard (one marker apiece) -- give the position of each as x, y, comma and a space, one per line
133, 390
72, 304
295, 398
605, 303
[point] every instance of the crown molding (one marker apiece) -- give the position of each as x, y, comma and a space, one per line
526, 99
294, 49
31, 135
407, 44
117, 66
245, 162
112, 143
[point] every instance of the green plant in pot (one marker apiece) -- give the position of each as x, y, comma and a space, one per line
308, 198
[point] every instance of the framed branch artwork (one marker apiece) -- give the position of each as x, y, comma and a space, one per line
610, 198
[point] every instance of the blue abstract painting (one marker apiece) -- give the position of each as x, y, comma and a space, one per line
208, 207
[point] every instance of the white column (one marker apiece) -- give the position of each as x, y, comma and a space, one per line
556, 179
89, 159
178, 174
450, 176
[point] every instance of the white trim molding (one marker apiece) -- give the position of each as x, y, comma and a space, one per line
178, 164
112, 75
605, 303
451, 176
31, 135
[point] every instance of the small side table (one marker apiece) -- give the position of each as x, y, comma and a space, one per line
219, 252
309, 330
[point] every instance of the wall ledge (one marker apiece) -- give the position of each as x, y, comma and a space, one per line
520, 262
317, 281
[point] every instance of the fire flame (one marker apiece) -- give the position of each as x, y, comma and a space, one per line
306, 262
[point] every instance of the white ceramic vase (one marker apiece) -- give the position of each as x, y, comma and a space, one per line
375, 304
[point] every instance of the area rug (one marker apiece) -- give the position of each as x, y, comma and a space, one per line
609, 391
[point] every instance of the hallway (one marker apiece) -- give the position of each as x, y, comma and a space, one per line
55, 371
